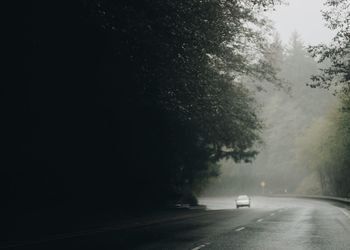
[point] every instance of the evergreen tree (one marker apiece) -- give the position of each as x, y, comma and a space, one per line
132, 99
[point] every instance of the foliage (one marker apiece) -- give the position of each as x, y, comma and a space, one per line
324, 147
337, 75
286, 114
332, 160
190, 58
132, 102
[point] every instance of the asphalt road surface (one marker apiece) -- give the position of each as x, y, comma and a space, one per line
271, 223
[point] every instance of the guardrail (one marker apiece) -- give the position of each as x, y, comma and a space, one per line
319, 197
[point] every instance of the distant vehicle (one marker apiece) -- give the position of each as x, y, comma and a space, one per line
243, 201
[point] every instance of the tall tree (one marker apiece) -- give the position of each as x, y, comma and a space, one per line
286, 115
143, 96
334, 141
337, 75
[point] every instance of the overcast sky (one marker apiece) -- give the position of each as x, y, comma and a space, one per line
303, 16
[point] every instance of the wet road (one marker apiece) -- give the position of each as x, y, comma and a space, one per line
271, 223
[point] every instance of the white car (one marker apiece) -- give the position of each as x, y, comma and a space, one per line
243, 201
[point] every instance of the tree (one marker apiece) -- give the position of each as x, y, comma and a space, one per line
286, 114
134, 99
324, 148
190, 58
337, 75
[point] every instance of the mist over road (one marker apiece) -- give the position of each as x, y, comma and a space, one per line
271, 223
291, 224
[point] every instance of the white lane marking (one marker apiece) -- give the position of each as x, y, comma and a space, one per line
240, 229
344, 212
201, 246
260, 220
272, 214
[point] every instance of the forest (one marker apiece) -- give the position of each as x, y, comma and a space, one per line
129, 104
306, 129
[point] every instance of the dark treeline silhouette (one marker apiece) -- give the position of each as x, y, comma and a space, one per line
129, 103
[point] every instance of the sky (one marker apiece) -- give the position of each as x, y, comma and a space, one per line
303, 16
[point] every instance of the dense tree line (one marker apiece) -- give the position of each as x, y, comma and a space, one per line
131, 102
336, 76
286, 113
329, 154
324, 149
308, 150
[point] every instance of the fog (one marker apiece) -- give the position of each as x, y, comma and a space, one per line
286, 118
127, 112
287, 115
309, 22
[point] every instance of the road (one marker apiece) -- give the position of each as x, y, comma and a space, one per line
271, 223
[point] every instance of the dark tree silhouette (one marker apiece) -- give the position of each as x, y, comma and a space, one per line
131, 102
